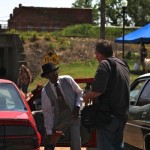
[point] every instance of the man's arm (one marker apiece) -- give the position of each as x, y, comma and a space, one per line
90, 95
79, 97
77, 90
47, 112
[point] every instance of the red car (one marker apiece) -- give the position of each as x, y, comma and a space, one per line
17, 126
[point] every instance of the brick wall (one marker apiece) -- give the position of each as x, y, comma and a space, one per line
41, 18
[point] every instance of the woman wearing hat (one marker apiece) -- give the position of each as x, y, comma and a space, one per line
61, 102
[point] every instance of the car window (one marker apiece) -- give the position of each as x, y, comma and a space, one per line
145, 95
10, 98
134, 92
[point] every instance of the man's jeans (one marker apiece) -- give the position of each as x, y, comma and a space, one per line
111, 137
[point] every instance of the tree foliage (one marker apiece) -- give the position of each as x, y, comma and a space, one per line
88, 4
139, 11
82, 4
113, 14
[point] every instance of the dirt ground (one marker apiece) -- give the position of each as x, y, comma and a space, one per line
81, 50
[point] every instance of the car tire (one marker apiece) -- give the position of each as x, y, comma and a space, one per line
129, 147
147, 145
39, 120
126, 148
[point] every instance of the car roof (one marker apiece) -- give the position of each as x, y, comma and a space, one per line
146, 75
5, 81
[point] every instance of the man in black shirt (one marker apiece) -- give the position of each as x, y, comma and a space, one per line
110, 137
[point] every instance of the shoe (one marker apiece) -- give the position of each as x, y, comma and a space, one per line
49, 147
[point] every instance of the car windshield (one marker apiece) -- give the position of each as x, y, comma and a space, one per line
10, 99
134, 93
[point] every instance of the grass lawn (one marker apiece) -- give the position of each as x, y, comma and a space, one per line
79, 70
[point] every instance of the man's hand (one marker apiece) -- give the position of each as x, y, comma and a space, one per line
86, 99
89, 96
75, 112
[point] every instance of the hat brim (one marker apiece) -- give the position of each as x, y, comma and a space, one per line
44, 73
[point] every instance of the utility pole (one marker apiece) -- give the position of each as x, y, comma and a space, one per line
124, 5
102, 19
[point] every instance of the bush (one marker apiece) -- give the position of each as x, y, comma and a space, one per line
51, 46
128, 55
33, 37
80, 30
88, 30
22, 37
83, 30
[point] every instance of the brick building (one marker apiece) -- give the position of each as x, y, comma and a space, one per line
47, 19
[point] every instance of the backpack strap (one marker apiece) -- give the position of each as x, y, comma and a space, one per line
103, 99
112, 71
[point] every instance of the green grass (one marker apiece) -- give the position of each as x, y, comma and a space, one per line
76, 70
131, 64
57, 40
83, 30
79, 70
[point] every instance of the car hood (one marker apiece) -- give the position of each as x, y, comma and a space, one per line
21, 117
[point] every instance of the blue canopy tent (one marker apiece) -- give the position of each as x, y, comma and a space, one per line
141, 35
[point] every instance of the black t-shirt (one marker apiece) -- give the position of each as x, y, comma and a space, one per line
119, 98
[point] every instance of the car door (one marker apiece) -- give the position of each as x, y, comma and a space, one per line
137, 127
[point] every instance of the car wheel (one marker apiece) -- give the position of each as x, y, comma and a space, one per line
147, 145
126, 147
38, 117
129, 147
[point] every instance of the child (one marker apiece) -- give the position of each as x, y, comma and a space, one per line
136, 66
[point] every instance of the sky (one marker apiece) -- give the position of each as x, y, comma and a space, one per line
7, 6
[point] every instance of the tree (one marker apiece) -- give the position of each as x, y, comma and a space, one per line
113, 12
102, 25
139, 11
88, 4
82, 4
